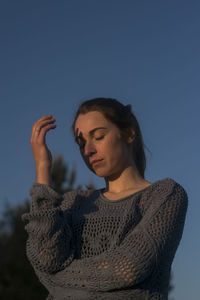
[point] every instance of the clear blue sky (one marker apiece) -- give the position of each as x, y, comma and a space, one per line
54, 54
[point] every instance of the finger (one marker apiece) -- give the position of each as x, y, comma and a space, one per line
43, 132
49, 117
41, 129
39, 137
40, 124
46, 117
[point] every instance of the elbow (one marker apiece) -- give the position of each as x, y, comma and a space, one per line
42, 260
133, 275
48, 261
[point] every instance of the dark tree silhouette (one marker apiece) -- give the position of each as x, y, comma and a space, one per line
17, 278
171, 285
62, 179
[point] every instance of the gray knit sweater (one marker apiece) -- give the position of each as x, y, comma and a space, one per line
84, 246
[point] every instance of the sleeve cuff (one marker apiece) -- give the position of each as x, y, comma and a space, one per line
44, 196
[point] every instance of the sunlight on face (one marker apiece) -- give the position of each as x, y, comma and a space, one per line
100, 143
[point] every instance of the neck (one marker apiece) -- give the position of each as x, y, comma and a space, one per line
128, 179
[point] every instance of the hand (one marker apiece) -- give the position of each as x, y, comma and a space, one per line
41, 153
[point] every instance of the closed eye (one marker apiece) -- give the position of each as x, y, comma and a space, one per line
81, 142
99, 138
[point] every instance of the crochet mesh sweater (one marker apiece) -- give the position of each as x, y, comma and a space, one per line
84, 246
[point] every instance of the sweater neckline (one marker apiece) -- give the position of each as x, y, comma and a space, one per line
102, 197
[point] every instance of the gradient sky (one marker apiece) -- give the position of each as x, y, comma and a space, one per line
55, 54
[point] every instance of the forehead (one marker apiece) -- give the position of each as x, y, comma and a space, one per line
90, 120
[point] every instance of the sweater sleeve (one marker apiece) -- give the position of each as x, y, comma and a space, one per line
152, 242
47, 226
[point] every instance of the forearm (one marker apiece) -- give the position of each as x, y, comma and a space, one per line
43, 175
117, 268
152, 241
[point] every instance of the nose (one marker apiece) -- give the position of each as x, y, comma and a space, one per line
89, 148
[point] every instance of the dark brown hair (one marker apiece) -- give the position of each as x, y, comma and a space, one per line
122, 116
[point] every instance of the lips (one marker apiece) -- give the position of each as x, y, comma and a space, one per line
96, 161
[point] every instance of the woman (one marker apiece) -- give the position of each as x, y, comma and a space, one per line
113, 243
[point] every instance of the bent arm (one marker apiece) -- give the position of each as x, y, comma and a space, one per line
154, 240
50, 243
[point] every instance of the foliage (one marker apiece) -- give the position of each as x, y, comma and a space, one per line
17, 278
62, 179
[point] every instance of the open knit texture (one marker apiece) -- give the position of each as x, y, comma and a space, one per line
84, 246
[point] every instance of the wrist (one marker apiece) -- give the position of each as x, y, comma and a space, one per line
43, 174
42, 166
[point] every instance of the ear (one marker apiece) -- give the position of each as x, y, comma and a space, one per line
130, 135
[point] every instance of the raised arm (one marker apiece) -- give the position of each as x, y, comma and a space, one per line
47, 224
152, 243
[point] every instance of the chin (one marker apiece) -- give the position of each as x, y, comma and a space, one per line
103, 173
100, 174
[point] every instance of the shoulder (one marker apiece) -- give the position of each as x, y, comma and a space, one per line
168, 186
161, 191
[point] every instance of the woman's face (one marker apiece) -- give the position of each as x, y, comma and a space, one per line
101, 146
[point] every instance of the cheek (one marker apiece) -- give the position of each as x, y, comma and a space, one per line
115, 148
109, 147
